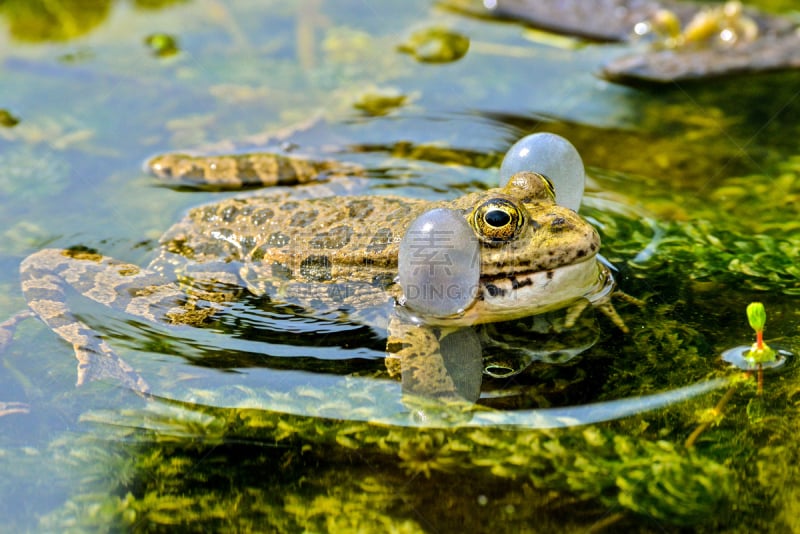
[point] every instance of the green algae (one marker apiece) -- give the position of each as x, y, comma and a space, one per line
162, 44
380, 102
435, 45
157, 4
653, 478
290, 476
8, 120
62, 20
59, 20
730, 240
292, 464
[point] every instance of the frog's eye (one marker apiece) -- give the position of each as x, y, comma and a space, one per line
497, 220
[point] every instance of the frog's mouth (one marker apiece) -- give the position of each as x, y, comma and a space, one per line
511, 296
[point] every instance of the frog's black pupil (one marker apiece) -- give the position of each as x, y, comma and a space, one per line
497, 218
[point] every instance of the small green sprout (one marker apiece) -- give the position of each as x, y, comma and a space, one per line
757, 316
760, 352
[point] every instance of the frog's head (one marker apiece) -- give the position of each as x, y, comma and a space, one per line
534, 255
522, 229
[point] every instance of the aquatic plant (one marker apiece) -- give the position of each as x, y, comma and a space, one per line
7, 119
162, 44
760, 353
377, 102
435, 45
593, 465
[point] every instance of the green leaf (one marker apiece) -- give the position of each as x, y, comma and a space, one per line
756, 315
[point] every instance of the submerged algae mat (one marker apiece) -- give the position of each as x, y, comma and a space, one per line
694, 190
321, 475
256, 469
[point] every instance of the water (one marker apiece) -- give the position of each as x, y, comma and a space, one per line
272, 420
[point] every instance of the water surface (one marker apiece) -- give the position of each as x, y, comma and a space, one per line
269, 420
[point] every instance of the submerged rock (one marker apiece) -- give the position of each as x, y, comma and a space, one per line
670, 40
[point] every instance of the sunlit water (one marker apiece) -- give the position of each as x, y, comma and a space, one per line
296, 417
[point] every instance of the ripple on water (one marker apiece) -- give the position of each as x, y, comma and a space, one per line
738, 356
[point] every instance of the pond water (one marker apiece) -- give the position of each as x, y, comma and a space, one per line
271, 420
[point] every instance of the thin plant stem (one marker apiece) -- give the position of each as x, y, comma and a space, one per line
605, 523
716, 411
760, 389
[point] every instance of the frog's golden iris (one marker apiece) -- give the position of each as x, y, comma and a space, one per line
498, 220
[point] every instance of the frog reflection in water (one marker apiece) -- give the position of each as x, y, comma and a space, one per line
326, 254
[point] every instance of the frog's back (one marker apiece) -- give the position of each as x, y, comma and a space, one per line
318, 239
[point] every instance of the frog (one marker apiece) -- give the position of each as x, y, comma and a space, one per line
326, 255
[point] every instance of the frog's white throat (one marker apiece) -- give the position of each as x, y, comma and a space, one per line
530, 293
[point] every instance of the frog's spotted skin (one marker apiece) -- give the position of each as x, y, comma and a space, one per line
46, 279
244, 170
324, 254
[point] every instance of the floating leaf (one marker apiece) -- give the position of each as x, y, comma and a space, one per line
436, 45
